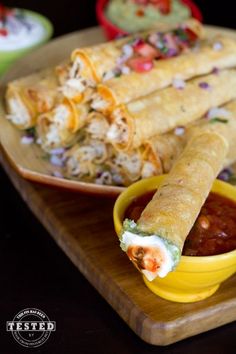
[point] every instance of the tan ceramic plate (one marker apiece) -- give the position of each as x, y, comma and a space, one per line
28, 160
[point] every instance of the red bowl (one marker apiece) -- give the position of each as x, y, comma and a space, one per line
112, 31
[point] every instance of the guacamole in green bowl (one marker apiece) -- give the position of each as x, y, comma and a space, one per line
141, 15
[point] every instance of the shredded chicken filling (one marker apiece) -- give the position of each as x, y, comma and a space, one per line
118, 133
18, 113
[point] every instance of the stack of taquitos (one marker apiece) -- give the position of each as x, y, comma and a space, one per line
139, 120
124, 144
154, 157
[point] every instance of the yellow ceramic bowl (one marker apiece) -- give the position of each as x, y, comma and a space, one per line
195, 278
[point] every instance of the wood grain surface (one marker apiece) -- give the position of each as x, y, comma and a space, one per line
82, 226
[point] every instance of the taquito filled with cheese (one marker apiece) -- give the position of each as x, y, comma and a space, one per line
59, 127
102, 62
89, 161
160, 152
154, 244
30, 96
161, 111
155, 157
209, 55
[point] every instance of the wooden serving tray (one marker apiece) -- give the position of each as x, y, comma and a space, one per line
82, 226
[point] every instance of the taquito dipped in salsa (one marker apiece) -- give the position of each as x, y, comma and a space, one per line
98, 63
161, 111
154, 244
204, 57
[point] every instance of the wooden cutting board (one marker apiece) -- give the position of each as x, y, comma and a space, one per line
82, 226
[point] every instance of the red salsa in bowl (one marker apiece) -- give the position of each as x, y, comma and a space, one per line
214, 231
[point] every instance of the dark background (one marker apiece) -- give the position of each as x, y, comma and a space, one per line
34, 272
71, 15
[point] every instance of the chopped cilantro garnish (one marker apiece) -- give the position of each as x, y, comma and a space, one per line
181, 34
31, 131
218, 120
232, 180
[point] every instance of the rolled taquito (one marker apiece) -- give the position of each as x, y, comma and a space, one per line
97, 126
98, 63
161, 152
161, 111
209, 55
30, 96
128, 165
60, 127
154, 244
87, 161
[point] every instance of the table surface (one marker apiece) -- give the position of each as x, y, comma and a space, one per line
35, 272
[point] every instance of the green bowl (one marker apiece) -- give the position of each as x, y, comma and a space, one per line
7, 58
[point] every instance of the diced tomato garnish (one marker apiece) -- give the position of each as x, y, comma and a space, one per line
192, 36
147, 51
164, 6
3, 32
140, 13
140, 64
138, 42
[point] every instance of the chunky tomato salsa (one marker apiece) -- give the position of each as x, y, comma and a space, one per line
214, 231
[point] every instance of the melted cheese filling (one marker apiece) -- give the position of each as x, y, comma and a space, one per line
99, 103
19, 114
73, 87
98, 128
148, 170
118, 132
130, 163
59, 122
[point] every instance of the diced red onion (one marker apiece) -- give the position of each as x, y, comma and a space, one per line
204, 85
137, 41
217, 46
215, 70
57, 174
58, 151
125, 70
56, 161
179, 131
218, 112
171, 52
27, 140
178, 84
225, 174
128, 50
